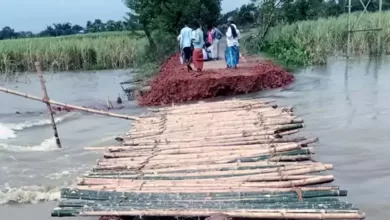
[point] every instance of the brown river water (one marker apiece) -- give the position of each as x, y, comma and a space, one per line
344, 106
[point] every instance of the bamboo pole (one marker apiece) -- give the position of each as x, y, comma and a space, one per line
205, 132
45, 100
201, 162
274, 182
230, 204
205, 190
98, 112
198, 168
227, 139
205, 153
209, 105
211, 112
215, 156
233, 175
171, 168
222, 109
157, 146
274, 170
185, 151
175, 149
188, 189
256, 213
217, 181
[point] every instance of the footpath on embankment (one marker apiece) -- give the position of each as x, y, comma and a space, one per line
174, 84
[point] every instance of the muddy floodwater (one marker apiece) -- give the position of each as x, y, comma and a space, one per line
345, 107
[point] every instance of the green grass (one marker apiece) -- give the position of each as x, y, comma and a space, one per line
311, 42
112, 50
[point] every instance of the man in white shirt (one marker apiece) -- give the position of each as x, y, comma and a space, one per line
232, 55
186, 45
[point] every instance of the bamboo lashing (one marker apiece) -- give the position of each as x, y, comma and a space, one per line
89, 110
238, 157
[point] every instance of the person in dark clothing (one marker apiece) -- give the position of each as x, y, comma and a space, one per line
119, 100
213, 38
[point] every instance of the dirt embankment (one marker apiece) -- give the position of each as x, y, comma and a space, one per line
174, 84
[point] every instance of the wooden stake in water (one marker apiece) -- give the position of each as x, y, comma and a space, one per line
46, 100
379, 46
349, 29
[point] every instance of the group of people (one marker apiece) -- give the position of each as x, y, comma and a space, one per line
195, 45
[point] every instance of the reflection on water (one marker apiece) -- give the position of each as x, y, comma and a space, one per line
345, 105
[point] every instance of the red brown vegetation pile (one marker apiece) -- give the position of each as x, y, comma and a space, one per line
174, 84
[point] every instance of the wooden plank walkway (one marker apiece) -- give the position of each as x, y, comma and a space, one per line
241, 158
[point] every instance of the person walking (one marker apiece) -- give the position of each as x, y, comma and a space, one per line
232, 54
186, 45
214, 35
198, 42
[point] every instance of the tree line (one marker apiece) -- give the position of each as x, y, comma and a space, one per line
64, 29
288, 11
170, 15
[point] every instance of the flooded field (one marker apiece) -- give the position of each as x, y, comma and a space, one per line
345, 107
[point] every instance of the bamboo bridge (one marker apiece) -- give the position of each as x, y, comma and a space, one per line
239, 158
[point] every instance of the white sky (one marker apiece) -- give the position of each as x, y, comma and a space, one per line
35, 15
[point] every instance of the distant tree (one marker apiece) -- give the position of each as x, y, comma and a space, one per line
170, 15
99, 25
77, 28
119, 26
111, 26
7, 33
24, 34
246, 14
88, 26
61, 30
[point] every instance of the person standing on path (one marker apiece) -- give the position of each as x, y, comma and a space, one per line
186, 45
198, 42
214, 35
232, 54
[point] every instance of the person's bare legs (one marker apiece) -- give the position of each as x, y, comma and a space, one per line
189, 68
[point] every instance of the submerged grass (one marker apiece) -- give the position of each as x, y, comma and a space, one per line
311, 42
69, 53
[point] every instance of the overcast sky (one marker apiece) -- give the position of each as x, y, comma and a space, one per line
35, 15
